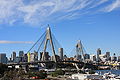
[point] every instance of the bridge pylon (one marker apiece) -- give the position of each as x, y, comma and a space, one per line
79, 50
48, 38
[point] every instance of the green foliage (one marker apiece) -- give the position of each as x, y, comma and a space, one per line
54, 74
58, 72
8, 75
13, 75
42, 74
91, 72
18, 74
3, 68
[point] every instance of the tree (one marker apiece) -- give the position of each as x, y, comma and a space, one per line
58, 72
3, 68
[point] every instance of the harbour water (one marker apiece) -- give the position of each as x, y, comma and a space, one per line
117, 72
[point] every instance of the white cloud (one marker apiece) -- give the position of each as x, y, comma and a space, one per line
15, 42
113, 6
99, 3
8, 10
42, 11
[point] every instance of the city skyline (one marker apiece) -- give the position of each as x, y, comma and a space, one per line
96, 23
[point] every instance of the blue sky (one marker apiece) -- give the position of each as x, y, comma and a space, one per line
95, 22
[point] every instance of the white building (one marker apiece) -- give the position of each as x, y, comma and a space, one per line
33, 57
93, 57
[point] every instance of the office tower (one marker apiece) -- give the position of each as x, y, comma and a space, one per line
13, 56
21, 53
21, 56
86, 56
33, 57
108, 56
17, 60
98, 53
28, 55
25, 58
61, 53
3, 58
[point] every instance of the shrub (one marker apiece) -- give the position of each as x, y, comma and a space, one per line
58, 72
41, 74
91, 72
3, 68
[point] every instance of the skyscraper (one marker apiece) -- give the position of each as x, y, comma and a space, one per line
98, 53
13, 56
61, 53
21, 56
25, 58
3, 58
86, 56
108, 55
28, 55
21, 53
33, 57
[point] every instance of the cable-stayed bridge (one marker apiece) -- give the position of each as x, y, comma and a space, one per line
47, 50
